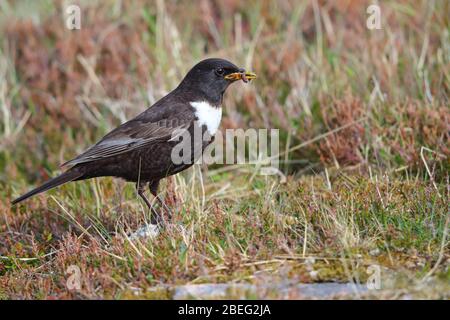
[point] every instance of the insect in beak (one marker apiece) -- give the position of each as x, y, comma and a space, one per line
244, 76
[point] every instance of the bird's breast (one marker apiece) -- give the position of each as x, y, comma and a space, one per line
208, 115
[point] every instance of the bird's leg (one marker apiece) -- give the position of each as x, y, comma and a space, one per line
156, 217
153, 186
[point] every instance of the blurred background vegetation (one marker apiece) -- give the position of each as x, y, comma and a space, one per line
384, 92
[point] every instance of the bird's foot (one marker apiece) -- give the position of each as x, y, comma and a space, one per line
147, 231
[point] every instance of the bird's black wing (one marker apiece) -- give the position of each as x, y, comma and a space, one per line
145, 129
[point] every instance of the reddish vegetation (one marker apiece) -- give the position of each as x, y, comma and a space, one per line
344, 147
53, 75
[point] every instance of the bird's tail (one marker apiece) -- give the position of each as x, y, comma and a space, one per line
67, 176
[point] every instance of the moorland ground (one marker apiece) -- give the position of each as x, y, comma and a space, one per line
364, 134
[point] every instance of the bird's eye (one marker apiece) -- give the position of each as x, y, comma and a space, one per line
220, 71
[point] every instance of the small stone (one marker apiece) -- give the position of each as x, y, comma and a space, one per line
313, 274
148, 231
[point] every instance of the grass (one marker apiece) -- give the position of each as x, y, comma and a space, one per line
364, 130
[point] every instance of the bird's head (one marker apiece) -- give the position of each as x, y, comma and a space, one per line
211, 77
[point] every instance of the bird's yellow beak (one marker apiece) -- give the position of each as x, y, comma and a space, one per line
244, 76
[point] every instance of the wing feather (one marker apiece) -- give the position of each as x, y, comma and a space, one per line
132, 135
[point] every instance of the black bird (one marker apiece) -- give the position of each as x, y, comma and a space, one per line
140, 150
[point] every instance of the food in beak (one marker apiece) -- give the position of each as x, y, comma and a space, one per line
244, 76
